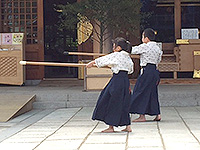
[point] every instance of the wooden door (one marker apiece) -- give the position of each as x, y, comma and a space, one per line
26, 16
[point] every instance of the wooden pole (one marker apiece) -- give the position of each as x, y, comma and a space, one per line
86, 54
56, 64
96, 54
51, 64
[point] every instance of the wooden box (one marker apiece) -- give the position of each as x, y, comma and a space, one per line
197, 64
96, 78
11, 52
185, 52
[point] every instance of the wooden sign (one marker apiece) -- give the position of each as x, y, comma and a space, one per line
84, 29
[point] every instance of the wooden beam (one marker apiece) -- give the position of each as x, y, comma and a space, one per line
177, 18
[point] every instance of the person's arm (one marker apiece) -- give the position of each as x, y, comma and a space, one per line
139, 49
131, 71
160, 57
90, 64
103, 61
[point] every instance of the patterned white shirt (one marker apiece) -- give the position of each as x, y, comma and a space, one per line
149, 53
117, 61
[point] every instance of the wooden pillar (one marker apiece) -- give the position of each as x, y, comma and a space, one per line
177, 18
96, 45
0, 19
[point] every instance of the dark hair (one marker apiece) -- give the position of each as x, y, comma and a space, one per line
150, 33
124, 44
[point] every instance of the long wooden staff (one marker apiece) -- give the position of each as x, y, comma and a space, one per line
51, 64
95, 54
84, 54
55, 64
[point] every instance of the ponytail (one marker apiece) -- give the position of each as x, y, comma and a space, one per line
124, 44
129, 47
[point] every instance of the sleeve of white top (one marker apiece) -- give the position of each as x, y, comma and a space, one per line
139, 49
106, 60
160, 57
131, 69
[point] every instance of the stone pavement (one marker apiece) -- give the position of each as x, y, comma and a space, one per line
73, 129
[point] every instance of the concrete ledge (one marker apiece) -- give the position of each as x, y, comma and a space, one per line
74, 96
32, 82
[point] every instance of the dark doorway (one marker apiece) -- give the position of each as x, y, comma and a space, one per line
56, 42
160, 18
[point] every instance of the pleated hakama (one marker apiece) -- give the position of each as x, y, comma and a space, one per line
144, 99
113, 103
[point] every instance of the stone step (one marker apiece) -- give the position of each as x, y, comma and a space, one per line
62, 82
64, 104
175, 95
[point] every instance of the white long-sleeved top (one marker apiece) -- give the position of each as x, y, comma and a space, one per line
117, 61
149, 53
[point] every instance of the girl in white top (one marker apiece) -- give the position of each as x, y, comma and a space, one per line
149, 53
113, 103
144, 99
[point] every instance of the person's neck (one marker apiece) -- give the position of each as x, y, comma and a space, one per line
147, 42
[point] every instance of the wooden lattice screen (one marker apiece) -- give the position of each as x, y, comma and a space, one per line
20, 16
26, 16
11, 52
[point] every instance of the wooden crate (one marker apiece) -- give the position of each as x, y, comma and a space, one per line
96, 78
11, 52
186, 54
196, 64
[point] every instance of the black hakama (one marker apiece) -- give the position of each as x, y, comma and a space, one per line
114, 101
144, 99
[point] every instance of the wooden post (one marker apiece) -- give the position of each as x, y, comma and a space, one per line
96, 45
0, 20
177, 19
40, 37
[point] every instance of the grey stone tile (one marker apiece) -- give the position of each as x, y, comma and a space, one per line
103, 147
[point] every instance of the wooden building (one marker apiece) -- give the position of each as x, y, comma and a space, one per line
44, 42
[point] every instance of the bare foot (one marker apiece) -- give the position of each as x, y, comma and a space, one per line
139, 120
127, 130
158, 118
109, 130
